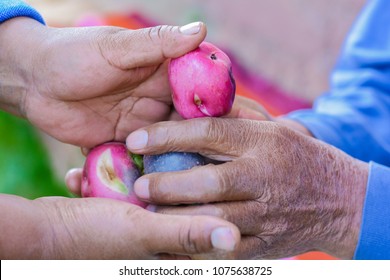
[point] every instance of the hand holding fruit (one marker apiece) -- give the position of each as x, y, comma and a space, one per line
242, 108
110, 170
287, 193
97, 228
202, 85
87, 86
101, 160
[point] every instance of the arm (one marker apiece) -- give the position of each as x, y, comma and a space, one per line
69, 72
10, 84
355, 117
72, 82
63, 228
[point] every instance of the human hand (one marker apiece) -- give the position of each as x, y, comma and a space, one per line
86, 86
287, 193
245, 108
97, 228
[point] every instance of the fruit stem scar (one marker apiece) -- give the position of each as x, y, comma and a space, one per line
197, 100
213, 56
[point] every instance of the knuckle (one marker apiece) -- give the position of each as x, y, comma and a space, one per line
214, 210
159, 36
239, 181
220, 130
162, 30
219, 134
215, 182
108, 38
162, 138
155, 32
111, 38
224, 183
155, 194
191, 239
206, 128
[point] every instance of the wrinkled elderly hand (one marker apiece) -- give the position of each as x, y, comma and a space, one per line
288, 193
86, 86
95, 228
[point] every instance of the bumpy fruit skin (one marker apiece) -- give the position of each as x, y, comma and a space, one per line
202, 83
172, 161
110, 172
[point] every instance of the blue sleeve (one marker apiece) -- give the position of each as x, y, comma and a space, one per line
355, 117
374, 241
14, 8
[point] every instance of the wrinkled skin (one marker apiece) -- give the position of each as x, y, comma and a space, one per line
243, 108
73, 82
287, 192
98, 228
86, 86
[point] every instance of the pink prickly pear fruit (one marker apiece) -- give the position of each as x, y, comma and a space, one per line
202, 82
110, 171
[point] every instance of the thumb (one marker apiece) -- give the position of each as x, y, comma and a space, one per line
150, 46
190, 235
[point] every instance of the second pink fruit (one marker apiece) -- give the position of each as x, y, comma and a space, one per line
110, 172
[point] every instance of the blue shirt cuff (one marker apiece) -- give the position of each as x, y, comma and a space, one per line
374, 240
14, 8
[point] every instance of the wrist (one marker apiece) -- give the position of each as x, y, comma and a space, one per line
23, 228
349, 186
19, 43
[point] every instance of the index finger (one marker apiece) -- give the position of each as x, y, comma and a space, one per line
227, 138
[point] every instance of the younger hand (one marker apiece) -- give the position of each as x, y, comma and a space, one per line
86, 86
97, 228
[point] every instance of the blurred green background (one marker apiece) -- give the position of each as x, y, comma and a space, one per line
25, 166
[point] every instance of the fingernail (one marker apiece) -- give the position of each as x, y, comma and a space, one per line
73, 179
85, 151
222, 238
191, 28
151, 208
137, 140
141, 188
